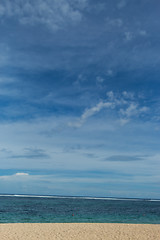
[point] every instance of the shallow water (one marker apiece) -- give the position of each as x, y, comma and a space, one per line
15, 209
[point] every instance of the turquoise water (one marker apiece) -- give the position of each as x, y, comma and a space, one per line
20, 209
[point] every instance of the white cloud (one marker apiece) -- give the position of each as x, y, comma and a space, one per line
117, 22
21, 174
110, 95
121, 4
99, 79
123, 121
142, 33
14, 177
124, 105
52, 13
90, 112
130, 111
133, 110
129, 95
110, 72
128, 36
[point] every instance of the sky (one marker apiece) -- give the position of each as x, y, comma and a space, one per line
80, 97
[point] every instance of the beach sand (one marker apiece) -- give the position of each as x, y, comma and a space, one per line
79, 231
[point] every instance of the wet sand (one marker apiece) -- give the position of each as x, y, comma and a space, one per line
79, 231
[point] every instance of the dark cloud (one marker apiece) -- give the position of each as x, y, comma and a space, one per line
124, 158
32, 153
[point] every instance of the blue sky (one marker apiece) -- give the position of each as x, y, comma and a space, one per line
79, 97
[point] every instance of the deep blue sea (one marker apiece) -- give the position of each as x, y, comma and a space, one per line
47, 209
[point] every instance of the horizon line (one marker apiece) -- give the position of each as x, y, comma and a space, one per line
80, 197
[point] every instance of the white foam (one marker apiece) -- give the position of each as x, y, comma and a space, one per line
78, 197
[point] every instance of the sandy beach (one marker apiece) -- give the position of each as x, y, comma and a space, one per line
79, 231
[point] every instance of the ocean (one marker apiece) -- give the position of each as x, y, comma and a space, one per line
52, 209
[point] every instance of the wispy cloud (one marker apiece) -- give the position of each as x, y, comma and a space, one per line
133, 110
31, 153
14, 177
142, 32
128, 36
116, 22
125, 105
99, 79
52, 13
121, 4
90, 112
4, 57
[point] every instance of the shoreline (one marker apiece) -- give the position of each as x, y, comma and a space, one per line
79, 231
